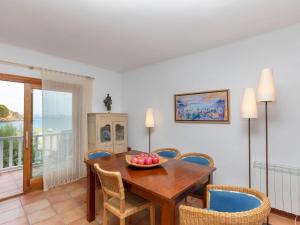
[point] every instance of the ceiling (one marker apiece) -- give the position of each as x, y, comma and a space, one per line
121, 35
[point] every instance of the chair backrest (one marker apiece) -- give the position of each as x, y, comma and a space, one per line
171, 153
198, 158
111, 183
97, 153
254, 213
232, 201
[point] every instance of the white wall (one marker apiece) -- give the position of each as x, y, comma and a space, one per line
234, 66
105, 81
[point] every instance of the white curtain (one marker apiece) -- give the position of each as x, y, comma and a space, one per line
66, 102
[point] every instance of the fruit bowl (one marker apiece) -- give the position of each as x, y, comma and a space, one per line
130, 162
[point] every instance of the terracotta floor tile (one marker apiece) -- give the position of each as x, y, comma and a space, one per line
57, 207
78, 191
80, 199
10, 193
59, 197
65, 206
11, 215
73, 215
53, 191
279, 220
11, 183
82, 221
19, 221
41, 215
9, 205
71, 187
32, 197
56, 220
33, 207
82, 182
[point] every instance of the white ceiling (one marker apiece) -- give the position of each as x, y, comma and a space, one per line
125, 34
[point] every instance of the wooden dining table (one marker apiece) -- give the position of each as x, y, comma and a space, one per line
165, 185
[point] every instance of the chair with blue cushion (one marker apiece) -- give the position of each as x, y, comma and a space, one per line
170, 153
228, 205
97, 153
200, 159
93, 154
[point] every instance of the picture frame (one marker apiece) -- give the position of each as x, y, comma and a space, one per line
203, 107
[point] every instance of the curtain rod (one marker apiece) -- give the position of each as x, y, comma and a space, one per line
41, 68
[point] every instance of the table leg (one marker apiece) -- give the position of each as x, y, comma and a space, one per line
168, 214
90, 194
210, 181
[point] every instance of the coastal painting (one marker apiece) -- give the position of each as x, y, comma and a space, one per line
210, 106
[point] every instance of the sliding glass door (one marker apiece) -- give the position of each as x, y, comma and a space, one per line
20, 135
11, 138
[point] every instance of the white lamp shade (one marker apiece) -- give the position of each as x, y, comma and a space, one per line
149, 120
249, 107
266, 87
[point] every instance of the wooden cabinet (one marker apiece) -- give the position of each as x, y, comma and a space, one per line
108, 131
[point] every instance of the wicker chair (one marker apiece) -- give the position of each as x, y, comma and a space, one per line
171, 153
201, 159
97, 153
228, 205
93, 154
120, 203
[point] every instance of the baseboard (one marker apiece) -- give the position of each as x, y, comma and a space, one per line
284, 214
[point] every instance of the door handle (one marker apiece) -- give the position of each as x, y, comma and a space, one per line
26, 139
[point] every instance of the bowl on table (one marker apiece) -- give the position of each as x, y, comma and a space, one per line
145, 160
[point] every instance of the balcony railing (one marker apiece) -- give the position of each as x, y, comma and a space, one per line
11, 150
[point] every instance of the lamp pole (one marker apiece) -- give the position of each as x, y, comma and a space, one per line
249, 111
266, 93
267, 154
149, 122
149, 139
249, 148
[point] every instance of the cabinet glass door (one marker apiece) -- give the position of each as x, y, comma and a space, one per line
105, 134
120, 132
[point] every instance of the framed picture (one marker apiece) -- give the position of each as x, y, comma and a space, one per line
209, 106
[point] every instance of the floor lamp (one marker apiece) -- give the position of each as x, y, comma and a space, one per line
149, 123
266, 94
249, 111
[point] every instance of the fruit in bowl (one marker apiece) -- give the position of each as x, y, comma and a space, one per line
145, 159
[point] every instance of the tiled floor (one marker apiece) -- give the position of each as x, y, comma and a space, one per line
11, 183
66, 205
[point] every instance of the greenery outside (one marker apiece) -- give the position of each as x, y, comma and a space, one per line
8, 131
4, 111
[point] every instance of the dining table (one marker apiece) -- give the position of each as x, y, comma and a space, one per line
165, 185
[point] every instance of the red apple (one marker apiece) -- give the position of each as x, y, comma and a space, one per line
141, 161
134, 160
155, 160
148, 161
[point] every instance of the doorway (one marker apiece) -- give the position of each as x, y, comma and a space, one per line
21, 155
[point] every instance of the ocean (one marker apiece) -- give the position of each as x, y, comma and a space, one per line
56, 123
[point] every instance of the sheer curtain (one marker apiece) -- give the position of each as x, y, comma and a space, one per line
66, 101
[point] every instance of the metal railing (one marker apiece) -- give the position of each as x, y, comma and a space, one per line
11, 149
11, 152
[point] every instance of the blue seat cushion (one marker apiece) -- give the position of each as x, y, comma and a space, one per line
98, 155
167, 154
198, 160
230, 201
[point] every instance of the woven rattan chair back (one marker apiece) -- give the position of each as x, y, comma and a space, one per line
199, 155
175, 152
97, 152
196, 216
111, 183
